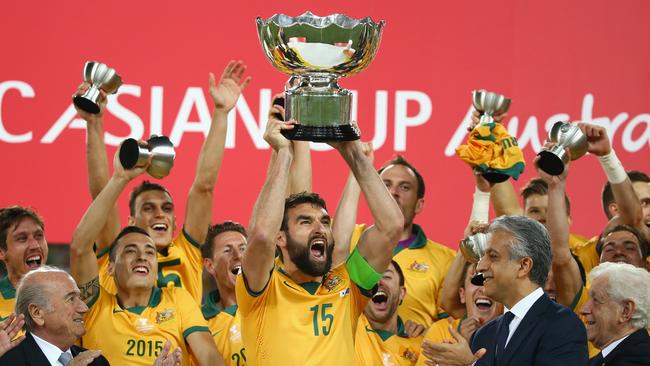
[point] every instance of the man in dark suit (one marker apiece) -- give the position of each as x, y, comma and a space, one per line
617, 314
533, 330
49, 300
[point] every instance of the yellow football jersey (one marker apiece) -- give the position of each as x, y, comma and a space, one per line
301, 324
438, 332
383, 348
182, 266
225, 327
425, 264
135, 336
586, 253
7, 298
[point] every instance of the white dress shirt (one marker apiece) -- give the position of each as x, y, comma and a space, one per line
521, 309
52, 352
607, 350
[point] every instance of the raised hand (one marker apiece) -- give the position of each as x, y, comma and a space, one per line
128, 174
469, 326
231, 84
448, 353
89, 117
596, 138
272, 134
414, 329
553, 179
476, 116
8, 330
85, 358
165, 358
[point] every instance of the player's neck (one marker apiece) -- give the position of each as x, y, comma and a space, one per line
407, 232
227, 297
134, 297
297, 275
389, 325
14, 279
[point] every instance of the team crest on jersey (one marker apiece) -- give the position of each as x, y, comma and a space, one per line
409, 353
386, 359
235, 334
332, 282
419, 267
165, 315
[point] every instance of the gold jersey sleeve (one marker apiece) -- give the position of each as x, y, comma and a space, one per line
300, 324
7, 298
182, 266
377, 347
135, 336
586, 252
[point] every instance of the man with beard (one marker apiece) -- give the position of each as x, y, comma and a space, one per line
618, 314
222, 254
22, 248
381, 337
425, 262
151, 206
298, 310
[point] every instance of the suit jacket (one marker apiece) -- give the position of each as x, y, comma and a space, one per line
28, 353
549, 334
633, 351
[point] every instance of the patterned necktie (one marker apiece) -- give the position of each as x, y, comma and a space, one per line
597, 360
65, 358
502, 335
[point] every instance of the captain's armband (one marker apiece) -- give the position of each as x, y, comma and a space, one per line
361, 272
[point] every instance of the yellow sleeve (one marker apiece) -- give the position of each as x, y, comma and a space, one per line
247, 300
190, 312
192, 250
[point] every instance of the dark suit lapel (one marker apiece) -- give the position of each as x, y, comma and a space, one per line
528, 323
33, 354
630, 341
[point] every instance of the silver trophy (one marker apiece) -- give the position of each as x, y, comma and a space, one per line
473, 247
316, 51
100, 77
489, 104
133, 155
564, 135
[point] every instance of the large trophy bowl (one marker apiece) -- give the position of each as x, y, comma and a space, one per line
564, 135
489, 104
316, 51
100, 77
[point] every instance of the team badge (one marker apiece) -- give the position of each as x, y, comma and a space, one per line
332, 282
409, 353
165, 315
419, 267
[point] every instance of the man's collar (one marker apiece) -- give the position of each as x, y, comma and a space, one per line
521, 308
51, 352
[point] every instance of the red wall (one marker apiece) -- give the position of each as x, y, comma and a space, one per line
584, 60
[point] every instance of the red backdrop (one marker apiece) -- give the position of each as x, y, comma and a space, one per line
556, 59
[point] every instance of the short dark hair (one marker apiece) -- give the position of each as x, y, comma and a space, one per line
608, 196
127, 230
10, 216
207, 249
538, 186
644, 246
400, 160
298, 199
399, 271
141, 188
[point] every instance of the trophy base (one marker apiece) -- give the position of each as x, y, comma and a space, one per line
322, 133
550, 163
86, 105
495, 177
129, 153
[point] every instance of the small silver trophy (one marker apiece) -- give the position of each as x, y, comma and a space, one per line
473, 247
564, 135
132, 155
100, 76
489, 104
316, 51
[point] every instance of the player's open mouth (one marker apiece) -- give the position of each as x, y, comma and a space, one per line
380, 299
236, 269
317, 248
483, 303
141, 270
33, 261
159, 228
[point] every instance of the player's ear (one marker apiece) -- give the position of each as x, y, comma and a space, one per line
131, 221
111, 269
281, 239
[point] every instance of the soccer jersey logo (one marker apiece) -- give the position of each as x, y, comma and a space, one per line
332, 282
409, 353
419, 267
165, 315
235, 335
386, 359
345, 292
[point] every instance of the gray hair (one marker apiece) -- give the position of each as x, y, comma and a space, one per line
529, 239
32, 290
627, 282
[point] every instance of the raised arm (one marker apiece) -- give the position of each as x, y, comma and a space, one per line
97, 164
267, 214
566, 272
198, 212
629, 209
203, 347
377, 243
300, 173
83, 263
505, 200
346, 213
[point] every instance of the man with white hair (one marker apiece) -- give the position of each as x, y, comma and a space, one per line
618, 313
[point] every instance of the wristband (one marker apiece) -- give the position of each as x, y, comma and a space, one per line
480, 207
613, 168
